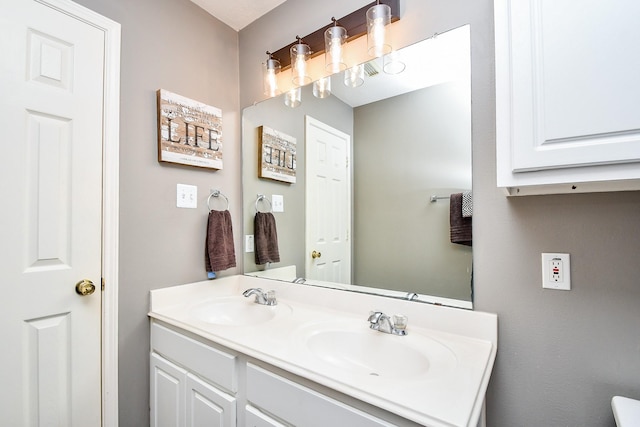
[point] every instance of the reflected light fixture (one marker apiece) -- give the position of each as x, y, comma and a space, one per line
270, 68
379, 30
354, 76
334, 39
293, 97
392, 63
300, 53
322, 87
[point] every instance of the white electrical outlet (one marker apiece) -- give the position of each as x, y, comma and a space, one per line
249, 243
556, 271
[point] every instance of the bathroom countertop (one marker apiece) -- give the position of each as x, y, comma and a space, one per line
448, 393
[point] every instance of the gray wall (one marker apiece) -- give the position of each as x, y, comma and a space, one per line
174, 45
561, 355
407, 148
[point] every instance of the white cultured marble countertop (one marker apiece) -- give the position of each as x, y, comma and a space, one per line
448, 393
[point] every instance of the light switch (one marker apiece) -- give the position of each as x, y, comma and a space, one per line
278, 202
186, 196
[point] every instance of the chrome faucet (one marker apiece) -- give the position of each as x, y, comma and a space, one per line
262, 297
383, 323
299, 280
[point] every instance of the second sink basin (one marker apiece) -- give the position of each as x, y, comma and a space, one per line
355, 349
237, 311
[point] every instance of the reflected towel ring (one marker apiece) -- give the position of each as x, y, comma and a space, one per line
263, 197
216, 193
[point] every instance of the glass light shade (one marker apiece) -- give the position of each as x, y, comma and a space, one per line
378, 30
322, 87
293, 98
270, 69
334, 39
354, 76
300, 53
392, 63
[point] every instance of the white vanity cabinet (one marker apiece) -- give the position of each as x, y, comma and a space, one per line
194, 384
198, 389
567, 96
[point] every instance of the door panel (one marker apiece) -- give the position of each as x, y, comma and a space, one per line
328, 217
51, 108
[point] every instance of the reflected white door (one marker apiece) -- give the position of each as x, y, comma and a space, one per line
51, 91
328, 203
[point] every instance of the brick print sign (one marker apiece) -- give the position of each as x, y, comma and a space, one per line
189, 132
276, 155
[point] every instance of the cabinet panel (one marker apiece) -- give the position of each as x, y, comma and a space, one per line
208, 406
567, 93
209, 363
300, 405
167, 393
254, 418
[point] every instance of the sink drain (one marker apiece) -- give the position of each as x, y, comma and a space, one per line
374, 374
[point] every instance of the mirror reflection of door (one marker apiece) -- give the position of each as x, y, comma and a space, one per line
328, 195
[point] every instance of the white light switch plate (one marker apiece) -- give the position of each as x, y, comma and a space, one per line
556, 272
186, 196
278, 202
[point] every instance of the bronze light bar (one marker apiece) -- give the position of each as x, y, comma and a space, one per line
355, 23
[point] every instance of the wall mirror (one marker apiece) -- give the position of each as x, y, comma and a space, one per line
408, 140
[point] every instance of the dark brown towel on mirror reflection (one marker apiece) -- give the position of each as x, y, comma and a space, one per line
219, 251
266, 238
459, 225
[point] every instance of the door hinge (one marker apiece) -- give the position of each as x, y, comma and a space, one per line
103, 283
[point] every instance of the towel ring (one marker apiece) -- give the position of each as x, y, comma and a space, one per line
263, 197
216, 193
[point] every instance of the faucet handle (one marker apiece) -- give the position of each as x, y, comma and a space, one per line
400, 322
271, 298
374, 316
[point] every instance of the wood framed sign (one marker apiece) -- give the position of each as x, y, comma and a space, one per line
189, 132
276, 155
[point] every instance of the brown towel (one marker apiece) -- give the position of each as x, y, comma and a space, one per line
459, 225
266, 238
219, 251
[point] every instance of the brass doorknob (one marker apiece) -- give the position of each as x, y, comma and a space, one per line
85, 287
316, 254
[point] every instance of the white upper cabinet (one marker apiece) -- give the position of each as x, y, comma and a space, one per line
567, 95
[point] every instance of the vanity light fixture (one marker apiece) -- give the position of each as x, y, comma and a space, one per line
378, 30
334, 40
270, 68
300, 54
354, 76
293, 97
322, 87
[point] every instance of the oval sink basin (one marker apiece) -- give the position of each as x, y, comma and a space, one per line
237, 311
363, 351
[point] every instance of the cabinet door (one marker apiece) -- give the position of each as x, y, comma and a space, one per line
168, 387
208, 406
567, 89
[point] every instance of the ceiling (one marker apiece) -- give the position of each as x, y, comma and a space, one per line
238, 13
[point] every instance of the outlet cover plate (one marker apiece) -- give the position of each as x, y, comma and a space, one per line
556, 271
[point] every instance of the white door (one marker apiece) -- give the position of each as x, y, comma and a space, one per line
328, 203
51, 110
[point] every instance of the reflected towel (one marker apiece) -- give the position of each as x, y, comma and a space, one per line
219, 251
460, 226
266, 238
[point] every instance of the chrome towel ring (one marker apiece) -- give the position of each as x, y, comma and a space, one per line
216, 193
266, 199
